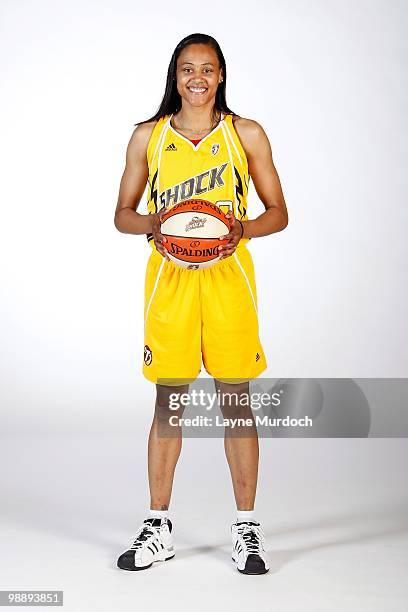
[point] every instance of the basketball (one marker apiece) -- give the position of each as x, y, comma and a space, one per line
193, 229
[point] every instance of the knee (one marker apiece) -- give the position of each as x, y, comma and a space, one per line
236, 412
234, 400
166, 401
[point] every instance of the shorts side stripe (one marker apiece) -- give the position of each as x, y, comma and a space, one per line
247, 281
155, 287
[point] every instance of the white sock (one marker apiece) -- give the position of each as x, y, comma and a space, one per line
158, 513
245, 515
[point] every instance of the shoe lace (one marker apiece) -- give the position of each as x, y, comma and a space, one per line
253, 538
144, 534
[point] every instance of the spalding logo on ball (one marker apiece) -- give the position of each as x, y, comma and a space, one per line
193, 229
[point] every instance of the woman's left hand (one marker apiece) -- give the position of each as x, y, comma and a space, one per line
234, 236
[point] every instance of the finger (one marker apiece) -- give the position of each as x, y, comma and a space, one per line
226, 252
231, 219
162, 212
159, 237
233, 242
234, 234
162, 252
159, 246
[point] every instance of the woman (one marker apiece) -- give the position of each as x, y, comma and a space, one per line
196, 147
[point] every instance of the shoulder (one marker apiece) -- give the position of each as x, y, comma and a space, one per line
139, 141
250, 132
141, 134
247, 128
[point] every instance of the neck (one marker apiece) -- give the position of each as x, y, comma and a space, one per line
196, 118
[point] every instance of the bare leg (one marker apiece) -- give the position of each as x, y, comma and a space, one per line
241, 446
164, 448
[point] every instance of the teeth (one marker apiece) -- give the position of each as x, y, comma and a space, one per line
197, 89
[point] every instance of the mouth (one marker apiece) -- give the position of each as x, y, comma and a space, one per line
197, 90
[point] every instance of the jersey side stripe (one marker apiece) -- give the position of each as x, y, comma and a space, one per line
232, 169
165, 130
234, 145
158, 142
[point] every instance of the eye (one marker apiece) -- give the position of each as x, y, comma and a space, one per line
186, 69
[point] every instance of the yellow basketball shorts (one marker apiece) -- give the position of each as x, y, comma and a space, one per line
207, 315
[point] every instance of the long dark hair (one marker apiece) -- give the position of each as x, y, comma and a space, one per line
171, 102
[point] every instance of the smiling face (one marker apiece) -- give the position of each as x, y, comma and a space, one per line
198, 74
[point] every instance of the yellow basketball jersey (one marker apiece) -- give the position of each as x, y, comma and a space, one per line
216, 169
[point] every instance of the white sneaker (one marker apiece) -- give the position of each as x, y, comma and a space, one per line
153, 542
248, 548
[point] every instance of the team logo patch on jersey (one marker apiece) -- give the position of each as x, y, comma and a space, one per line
147, 355
171, 147
195, 223
215, 148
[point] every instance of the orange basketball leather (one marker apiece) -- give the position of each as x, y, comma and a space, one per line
191, 249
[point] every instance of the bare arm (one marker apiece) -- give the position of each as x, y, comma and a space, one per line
133, 183
265, 178
132, 186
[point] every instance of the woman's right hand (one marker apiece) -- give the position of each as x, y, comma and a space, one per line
158, 237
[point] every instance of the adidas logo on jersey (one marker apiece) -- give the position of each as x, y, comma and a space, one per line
171, 147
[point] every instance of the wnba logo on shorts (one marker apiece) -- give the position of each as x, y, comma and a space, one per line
147, 355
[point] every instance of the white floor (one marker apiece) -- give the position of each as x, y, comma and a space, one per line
334, 511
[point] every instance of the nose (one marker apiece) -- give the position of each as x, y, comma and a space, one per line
196, 74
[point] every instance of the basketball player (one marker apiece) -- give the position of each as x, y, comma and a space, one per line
196, 147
